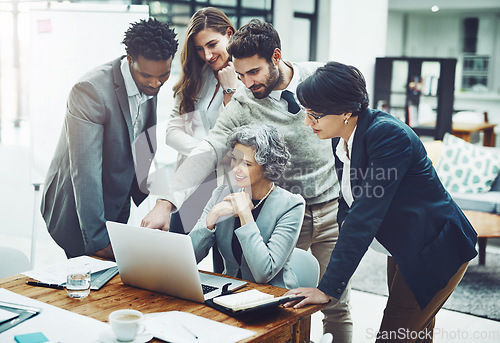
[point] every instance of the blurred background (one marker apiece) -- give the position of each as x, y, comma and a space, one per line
428, 62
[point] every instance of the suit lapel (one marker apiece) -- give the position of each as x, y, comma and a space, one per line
265, 215
358, 152
121, 94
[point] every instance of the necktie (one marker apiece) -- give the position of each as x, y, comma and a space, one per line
293, 107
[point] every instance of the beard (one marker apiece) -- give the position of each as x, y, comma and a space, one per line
274, 78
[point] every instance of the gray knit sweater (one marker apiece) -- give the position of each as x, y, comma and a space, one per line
311, 170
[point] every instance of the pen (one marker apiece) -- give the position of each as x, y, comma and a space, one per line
43, 284
191, 332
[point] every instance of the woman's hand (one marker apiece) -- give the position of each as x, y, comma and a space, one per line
227, 76
312, 296
228, 80
243, 206
224, 208
241, 202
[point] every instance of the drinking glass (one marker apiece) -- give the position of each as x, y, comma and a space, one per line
78, 281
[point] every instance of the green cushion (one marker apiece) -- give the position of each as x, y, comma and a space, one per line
466, 168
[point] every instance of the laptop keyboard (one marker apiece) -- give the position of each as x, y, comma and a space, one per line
208, 288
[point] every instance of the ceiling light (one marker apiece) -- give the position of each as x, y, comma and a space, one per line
435, 8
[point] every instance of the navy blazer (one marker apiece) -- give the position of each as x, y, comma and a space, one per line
399, 199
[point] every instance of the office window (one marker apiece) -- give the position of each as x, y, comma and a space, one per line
238, 11
301, 30
475, 61
178, 13
475, 69
304, 6
216, 3
305, 27
258, 4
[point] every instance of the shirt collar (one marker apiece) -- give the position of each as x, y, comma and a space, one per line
292, 86
130, 85
341, 150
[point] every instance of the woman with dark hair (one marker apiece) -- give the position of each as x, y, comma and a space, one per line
257, 227
207, 83
391, 199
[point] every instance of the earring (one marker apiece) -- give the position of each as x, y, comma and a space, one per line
345, 121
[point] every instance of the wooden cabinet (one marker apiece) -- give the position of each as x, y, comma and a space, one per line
419, 91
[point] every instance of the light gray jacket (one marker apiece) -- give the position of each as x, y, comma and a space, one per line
92, 174
267, 244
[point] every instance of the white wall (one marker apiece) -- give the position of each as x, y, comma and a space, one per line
433, 35
351, 32
358, 34
283, 19
324, 25
395, 32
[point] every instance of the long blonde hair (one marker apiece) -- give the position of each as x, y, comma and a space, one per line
190, 81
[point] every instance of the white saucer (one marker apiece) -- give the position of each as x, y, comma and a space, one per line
107, 336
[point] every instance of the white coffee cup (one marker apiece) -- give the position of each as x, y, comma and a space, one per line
126, 324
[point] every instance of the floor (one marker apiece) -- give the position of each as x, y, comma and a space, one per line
20, 221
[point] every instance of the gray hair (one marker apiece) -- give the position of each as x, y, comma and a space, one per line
269, 145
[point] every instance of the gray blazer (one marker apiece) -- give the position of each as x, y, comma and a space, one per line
267, 244
92, 175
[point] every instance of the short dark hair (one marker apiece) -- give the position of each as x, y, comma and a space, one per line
150, 39
335, 88
256, 37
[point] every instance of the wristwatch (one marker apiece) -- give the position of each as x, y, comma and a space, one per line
229, 90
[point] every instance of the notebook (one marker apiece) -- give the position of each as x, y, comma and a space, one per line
164, 262
249, 301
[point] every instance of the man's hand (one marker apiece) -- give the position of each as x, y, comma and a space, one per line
312, 296
159, 216
106, 253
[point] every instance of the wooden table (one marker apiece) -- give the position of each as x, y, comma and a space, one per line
278, 325
465, 130
487, 225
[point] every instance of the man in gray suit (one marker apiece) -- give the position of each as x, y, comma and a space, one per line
93, 173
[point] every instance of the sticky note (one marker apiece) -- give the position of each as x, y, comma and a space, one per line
36, 337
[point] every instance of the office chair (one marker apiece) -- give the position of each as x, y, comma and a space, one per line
13, 262
306, 267
326, 338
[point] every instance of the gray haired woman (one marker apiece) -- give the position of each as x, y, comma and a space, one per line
256, 228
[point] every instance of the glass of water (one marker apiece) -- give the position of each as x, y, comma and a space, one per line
78, 281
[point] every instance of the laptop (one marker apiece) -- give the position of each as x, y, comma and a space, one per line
164, 262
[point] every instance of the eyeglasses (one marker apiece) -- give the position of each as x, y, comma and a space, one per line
316, 117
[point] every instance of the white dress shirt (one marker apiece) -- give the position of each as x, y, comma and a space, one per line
292, 87
346, 182
136, 100
185, 131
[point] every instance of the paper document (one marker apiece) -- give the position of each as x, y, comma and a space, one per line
56, 324
56, 273
179, 327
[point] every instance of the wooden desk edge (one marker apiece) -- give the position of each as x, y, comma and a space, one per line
295, 326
